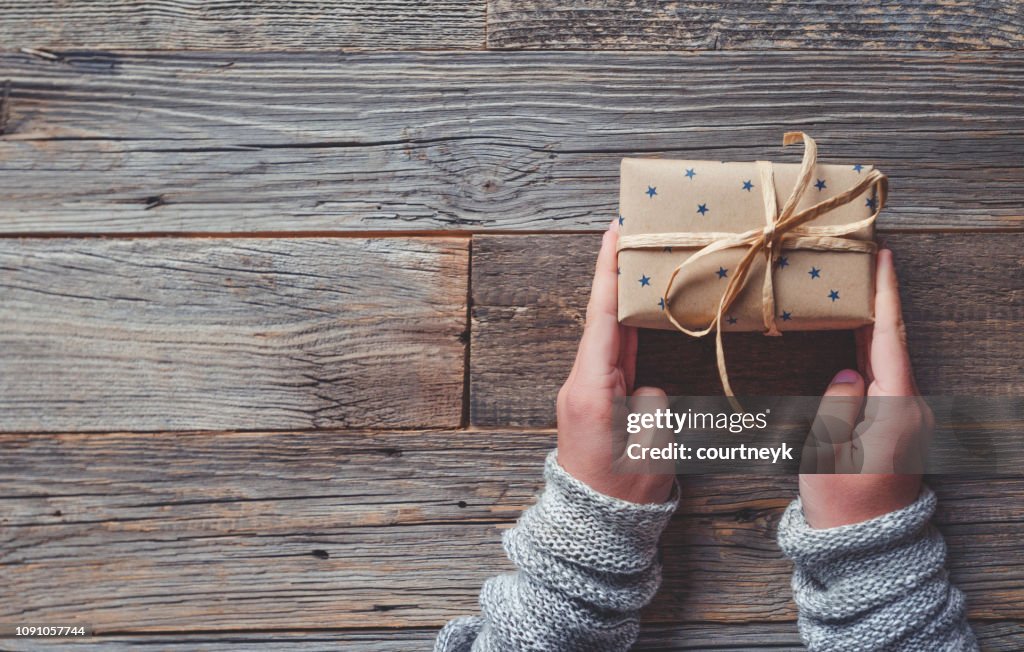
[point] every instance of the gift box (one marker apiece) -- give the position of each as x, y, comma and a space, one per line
710, 246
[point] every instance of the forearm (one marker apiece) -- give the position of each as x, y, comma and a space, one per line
587, 564
877, 585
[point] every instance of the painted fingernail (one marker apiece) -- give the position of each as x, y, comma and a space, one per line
846, 377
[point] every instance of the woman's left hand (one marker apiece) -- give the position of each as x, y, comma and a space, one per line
604, 371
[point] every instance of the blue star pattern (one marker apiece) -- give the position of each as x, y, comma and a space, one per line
781, 262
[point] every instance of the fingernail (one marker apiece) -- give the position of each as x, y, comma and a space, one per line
846, 377
614, 223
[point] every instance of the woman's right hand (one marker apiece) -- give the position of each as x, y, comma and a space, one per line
855, 478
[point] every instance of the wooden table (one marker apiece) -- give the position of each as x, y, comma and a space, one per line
287, 290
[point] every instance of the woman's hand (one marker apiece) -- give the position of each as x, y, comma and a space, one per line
896, 422
603, 372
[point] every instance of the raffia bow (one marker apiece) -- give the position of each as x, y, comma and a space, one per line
785, 229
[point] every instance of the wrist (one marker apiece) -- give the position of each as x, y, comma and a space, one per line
835, 500
600, 476
637, 489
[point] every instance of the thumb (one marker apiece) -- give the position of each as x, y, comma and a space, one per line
654, 392
648, 400
831, 434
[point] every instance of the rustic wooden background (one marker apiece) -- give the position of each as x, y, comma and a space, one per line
287, 289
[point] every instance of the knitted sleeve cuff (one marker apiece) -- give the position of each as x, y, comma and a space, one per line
809, 546
875, 585
586, 564
577, 524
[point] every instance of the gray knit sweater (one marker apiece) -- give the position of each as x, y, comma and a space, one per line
588, 563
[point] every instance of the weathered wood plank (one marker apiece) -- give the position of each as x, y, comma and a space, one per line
964, 308
206, 531
167, 142
994, 637
234, 25
382, 640
778, 637
760, 25
181, 334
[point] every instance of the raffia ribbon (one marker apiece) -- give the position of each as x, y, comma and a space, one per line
785, 229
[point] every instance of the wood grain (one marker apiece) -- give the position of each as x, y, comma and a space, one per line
205, 142
700, 637
306, 25
759, 25
182, 334
372, 640
778, 637
963, 304
180, 532
188, 119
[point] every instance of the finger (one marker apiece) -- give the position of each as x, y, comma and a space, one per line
627, 355
836, 419
894, 436
862, 337
598, 354
890, 363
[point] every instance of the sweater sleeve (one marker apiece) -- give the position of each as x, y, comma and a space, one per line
586, 565
878, 585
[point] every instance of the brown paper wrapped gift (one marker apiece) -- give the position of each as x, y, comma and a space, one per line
697, 238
